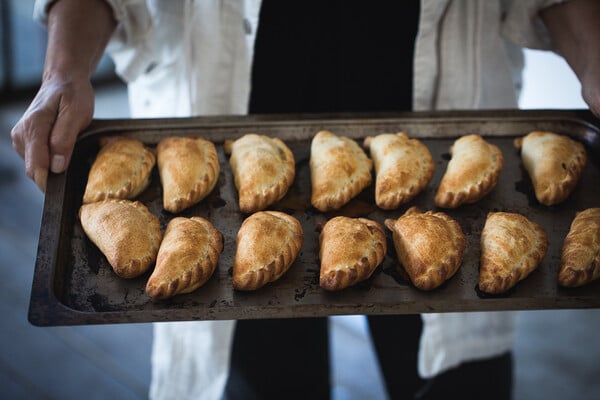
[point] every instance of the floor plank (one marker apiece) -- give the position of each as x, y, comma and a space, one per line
58, 367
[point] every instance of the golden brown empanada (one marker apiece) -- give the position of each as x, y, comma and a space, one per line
263, 170
430, 246
189, 170
350, 251
125, 232
403, 168
268, 242
580, 256
121, 170
554, 164
187, 257
512, 247
472, 172
339, 170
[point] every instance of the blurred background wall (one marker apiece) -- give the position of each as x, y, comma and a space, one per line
22, 50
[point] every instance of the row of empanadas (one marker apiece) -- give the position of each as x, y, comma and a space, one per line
430, 247
186, 257
268, 242
264, 169
130, 238
188, 168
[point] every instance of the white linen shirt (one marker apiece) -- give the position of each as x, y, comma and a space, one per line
184, 57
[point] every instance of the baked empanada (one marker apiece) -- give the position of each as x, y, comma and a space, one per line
268, 242
403, 167
512, 247
189, 170
187, 257
121, 170
263, 170
350, 251
125, 232
430, 246
554, 164
580, 256
339, 170
472, 172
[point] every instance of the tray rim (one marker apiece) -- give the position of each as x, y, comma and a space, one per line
45, 309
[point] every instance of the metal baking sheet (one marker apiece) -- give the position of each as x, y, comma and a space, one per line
74, 284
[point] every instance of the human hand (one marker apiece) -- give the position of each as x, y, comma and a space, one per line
590, 88
46, 133
575, 33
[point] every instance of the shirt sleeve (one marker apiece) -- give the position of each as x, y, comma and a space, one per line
128, 47
523, 25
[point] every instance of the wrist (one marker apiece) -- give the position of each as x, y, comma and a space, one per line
78, 33
65, 72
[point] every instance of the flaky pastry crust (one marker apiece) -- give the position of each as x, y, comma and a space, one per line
339, 170
125, 231
187, 257
471, 174
512, 247
121, 170
268, 242
189, 171
263, 170
430, 246
403, 168
554, 164
350, 251
580, 255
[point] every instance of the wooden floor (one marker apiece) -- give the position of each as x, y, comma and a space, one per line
557, 352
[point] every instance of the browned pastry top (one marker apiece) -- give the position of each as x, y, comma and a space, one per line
268, 242
187, 257
263, 170
403, 168
350, 250
189, 169
430, 246
512, 246
121, 170
580, 255
554, 163
472, 172
125, 231
339, 170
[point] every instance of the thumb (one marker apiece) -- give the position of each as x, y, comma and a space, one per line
72, 118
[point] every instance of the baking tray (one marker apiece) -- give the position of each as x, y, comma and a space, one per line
73, 283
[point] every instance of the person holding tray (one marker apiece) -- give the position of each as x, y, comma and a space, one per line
186, 58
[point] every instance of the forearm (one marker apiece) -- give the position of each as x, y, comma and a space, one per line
78, 32
575, 30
